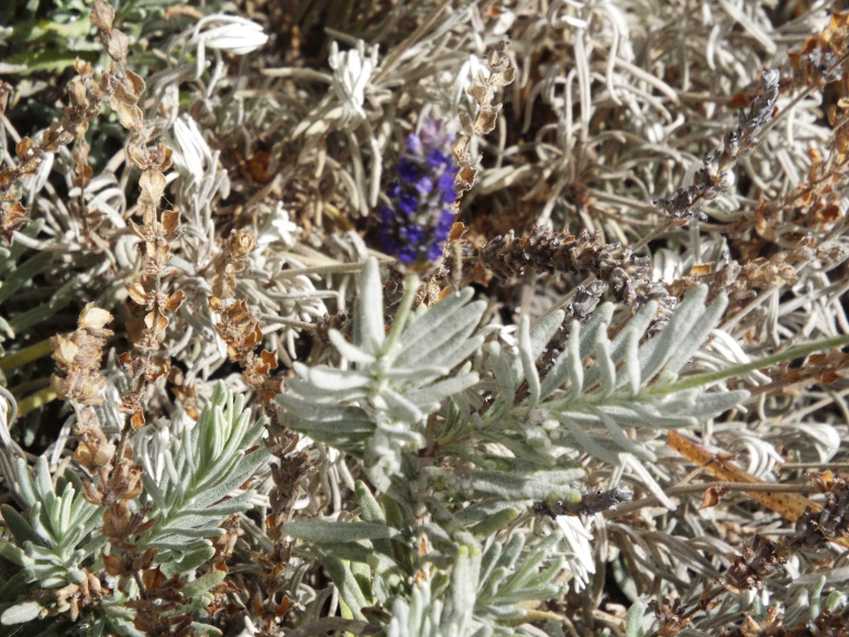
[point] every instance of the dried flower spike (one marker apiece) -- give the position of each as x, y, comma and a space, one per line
416, 222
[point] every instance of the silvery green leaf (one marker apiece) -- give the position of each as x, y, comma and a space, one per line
514, 485
694, 338
647, 416
495, 522
655, 353
341, 431
423, 374
315, 412
588, 442
24, 483
182, 490
347, 350
310, 393
635, 619
528, 360
21, 613
633, 368
567, 366
465, 578
596, 328
326, 531
605, 366
349, 587
453, 353
637, 324
330, 379
402, 407
439, 391
14, 554
708, 404
622, 441
247, 467
368, 328
43, 483
505, 377
370, 508
19, 527
204, 583
647, 479
453, 327
433, 318
190, 560
200, 628
539, 335
229, 506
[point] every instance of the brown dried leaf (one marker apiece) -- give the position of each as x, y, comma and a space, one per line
174, 301
790, 506
486, 119
65, 350
113, 563
137, 293
710, 498
14, 216
137, 155
102, 15
702, 269
269, 358
465, 178
23, 147
78, 92
129, 115
152, 183
118, 46
170, 222
137, 420
94, 318
134, 84
242, 243
81, 67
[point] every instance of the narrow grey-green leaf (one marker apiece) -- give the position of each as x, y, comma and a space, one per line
326, 531
369, 318
21, 613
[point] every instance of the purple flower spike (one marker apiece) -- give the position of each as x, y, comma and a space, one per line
408, 171
434, 252
407, 254
424, 185
446, 187
408, 204
418, 219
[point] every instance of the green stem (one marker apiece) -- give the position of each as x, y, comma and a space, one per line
25, 355
697, 380
28, 387
411, 285
36, 400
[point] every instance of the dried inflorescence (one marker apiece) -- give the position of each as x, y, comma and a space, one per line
627, 276
716, 174
236, 325
755, 563
79, 357
822, 58
828, 524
